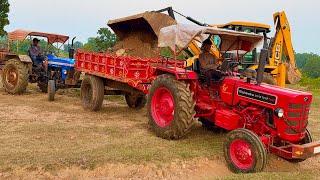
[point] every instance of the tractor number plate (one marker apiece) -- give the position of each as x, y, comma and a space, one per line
316, 150
258, 96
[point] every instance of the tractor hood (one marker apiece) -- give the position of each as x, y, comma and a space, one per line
60, 62
264, 94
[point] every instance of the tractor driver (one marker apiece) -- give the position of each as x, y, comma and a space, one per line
208, 63
35, 52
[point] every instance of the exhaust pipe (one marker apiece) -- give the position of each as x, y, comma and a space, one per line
71, 50
264, 55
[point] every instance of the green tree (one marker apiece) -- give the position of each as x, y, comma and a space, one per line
4, 10
76, 45
105, 39
20, 47
91, 45
302, 58
312, 66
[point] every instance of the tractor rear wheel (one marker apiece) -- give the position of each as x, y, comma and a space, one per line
244, 152
170, 107
92, 92
15, 76
305, 140
51, 90
136, 101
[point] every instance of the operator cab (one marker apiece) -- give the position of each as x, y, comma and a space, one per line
249, 27
228, 62
51, 44
178, 37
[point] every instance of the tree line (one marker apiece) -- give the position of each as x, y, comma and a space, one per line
308, 63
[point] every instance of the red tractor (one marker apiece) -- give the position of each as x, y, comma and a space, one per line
261, 118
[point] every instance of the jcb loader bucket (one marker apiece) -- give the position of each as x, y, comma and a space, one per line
148, 23
293, 75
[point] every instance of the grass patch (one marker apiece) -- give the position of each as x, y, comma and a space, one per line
37, 134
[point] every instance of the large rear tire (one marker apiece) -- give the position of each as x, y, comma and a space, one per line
170, 107
244, 152
92, 92
15, 76
136, 101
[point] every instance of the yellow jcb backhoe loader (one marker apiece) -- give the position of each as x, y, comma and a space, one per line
280, 69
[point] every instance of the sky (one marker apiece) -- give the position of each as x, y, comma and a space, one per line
82, 18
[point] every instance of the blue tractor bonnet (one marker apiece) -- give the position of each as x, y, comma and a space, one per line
65, 64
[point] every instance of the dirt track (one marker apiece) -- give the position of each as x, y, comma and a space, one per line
61, 140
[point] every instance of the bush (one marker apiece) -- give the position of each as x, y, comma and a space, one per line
311, 83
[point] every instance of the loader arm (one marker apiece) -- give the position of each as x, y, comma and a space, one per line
282, 47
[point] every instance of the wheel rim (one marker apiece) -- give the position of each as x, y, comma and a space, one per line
241, 154
162, 106
11, 77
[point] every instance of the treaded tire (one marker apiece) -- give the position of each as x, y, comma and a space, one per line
92, 92
136, 101
256, 146
307, 139
21, 72
267, 78
183, 115
51, 90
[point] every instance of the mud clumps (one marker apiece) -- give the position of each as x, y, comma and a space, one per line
141, 44
138, 34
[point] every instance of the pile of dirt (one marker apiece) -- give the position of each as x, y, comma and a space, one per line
138, 34
138, 43
293, 76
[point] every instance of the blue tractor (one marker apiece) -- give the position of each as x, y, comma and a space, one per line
49, 71
61, 73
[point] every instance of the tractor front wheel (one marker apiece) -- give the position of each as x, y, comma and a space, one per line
244, 152
92, 92
136, 101
170, 107
51, 89
15, 76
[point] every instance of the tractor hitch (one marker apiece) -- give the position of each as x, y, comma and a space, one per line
296, 151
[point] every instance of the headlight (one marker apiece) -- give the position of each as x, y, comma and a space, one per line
279, 112
64, 71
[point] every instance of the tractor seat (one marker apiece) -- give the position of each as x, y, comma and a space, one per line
196, 68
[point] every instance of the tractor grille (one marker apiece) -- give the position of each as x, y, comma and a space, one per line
297, 118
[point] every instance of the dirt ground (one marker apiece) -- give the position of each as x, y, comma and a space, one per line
60, 140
